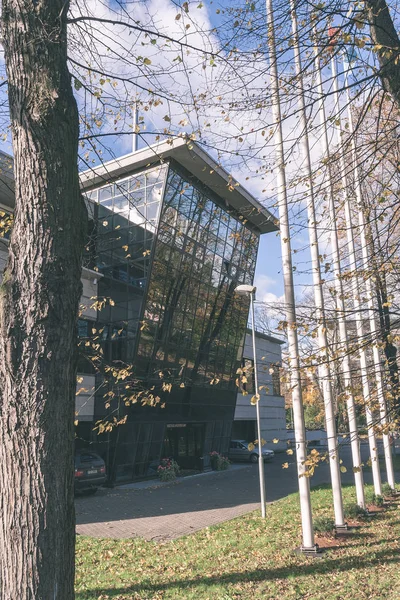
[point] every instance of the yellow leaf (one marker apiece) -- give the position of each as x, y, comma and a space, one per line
285, 465
275, 441
290, 451
254, 399
343, 469
250, 447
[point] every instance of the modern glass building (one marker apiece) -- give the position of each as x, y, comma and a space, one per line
170, 236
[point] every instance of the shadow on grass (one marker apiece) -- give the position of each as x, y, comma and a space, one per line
357, 536
313, 567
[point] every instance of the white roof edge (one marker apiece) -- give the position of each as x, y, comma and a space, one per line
192, 157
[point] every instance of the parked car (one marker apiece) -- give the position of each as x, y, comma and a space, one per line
90, 471
239, 450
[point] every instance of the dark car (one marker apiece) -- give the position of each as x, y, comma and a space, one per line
90, 471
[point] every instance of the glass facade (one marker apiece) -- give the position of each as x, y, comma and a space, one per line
193, 321
170, 254
123, 219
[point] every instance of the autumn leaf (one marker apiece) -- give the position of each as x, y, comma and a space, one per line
285, 465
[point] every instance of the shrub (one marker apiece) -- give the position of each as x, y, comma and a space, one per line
219, 462
168, 469
369, 496
387, 490
377, 500
354, 511
324, 525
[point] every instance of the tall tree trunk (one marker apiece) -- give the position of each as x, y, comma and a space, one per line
386, 38
381, 291
38, 311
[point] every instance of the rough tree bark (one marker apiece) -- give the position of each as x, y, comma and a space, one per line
384, 34
38, 309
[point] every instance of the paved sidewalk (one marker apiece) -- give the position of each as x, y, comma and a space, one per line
164, 512
161, 512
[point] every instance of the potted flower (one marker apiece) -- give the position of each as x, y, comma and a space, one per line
218, 461
168, 469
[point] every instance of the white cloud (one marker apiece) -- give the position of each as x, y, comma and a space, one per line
264, 283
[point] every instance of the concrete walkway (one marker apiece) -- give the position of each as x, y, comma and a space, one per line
161, 512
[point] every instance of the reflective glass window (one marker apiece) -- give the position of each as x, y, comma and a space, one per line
202, 254
123, 220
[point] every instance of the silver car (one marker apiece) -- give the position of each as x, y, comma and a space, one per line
239, 450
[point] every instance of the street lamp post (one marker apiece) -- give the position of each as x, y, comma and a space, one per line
250, 290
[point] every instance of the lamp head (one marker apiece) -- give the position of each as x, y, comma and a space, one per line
245, 289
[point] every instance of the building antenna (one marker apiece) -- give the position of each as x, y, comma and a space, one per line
308, 542
373, 447
135, 125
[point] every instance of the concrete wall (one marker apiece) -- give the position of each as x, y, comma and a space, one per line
3, 256
315, 437
89, 291
272, 406
84, 404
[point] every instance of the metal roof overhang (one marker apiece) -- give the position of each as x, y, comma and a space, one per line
198, 162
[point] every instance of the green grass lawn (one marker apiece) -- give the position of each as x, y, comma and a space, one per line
248, 559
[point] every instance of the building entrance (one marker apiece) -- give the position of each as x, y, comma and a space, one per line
184, 442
